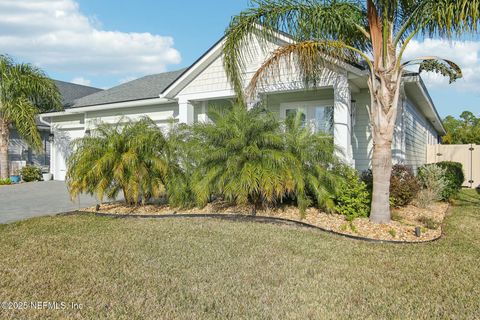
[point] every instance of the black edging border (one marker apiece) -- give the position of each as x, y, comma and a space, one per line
244, 217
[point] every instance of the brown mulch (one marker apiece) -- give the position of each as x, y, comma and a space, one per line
401, 228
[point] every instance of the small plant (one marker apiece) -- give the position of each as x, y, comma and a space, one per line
6, 181
396, 216
428, 222
353, 198
352, 227
344, 227
392, 232
31, 173
403, 185
433, 182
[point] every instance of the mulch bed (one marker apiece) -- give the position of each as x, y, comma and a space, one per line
401, 228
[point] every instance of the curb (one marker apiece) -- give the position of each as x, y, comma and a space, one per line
243, 217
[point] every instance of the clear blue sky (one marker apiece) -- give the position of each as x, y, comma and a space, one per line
94, 42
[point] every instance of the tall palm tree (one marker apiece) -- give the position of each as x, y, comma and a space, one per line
376, 31
25, 91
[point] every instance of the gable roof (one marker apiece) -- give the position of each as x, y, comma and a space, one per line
148, 87
72, 91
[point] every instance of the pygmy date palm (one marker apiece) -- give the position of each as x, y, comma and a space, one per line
125, 157
376, 31
25, 91
315, 154
243, 158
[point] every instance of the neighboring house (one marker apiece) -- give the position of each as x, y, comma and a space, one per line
338, 103
20, 154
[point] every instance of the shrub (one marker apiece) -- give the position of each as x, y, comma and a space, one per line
31, 173
6, 181
353, 198
403, 184
454, 178
432, 179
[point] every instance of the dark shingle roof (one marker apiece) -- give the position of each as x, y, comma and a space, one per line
72, 91
147, 87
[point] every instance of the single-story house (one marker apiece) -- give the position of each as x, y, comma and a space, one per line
185, 96
20, 153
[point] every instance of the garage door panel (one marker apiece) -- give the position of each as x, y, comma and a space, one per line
63, 148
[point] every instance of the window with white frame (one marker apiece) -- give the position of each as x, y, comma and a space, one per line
316, 114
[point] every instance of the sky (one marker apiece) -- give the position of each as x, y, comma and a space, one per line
103, 43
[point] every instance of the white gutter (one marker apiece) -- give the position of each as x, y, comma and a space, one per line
108, 106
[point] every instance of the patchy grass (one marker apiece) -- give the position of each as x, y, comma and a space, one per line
211, 269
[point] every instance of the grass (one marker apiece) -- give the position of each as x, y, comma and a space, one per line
212, 269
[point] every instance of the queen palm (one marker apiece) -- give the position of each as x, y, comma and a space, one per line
376, 31
25, 91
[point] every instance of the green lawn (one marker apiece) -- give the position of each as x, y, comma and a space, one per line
211, 269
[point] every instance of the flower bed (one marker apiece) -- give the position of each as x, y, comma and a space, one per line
401, 228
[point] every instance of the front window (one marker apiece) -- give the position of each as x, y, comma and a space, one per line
323, 120
316, 114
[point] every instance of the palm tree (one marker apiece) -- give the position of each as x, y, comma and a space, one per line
125, 157
243, 158
376, 31
25, 91
315, 154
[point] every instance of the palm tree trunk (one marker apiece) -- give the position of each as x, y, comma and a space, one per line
384, 90
381, 169
4, 138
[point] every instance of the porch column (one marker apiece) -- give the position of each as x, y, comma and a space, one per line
342, 120
185, 111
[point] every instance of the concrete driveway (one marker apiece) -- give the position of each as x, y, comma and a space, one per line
34, 199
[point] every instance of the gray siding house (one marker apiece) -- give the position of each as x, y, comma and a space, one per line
184, 96
20, 154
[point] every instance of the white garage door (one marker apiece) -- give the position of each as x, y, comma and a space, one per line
62, 149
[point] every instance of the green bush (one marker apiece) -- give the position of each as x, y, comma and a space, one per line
353, 198
5, 181
433, 182
31, 173
454, 178
403, 184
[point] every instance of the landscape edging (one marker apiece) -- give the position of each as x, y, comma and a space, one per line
238, 217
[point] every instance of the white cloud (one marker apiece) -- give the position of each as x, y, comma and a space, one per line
55, 35
464, 53
82, 81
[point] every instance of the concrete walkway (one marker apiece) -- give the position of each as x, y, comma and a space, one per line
34, 199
